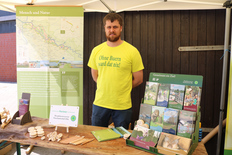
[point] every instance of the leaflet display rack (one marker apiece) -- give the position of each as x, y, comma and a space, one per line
180, 79
27, 116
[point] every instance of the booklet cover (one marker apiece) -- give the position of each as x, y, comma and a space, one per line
170, 120
151, 91
186, 125
176, 96
144, 137
121, 130
157, 117
163, 95
189, 116
185, 129
173, 144
105, 134
23, 106
145, 113
192, 98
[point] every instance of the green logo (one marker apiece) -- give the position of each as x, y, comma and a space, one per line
196, 82
73, 118
62, 31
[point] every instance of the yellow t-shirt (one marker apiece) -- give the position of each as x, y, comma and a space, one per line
115, 66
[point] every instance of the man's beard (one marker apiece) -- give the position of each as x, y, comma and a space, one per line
113, 39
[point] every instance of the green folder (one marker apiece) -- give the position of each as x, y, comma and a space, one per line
105, 134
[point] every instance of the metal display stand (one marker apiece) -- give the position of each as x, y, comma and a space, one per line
227, 4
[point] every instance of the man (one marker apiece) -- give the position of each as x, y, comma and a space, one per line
116, 67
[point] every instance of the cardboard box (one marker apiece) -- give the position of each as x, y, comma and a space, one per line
173, 144
5, 148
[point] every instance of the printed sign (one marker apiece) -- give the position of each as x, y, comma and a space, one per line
50, 56
64, 115
181, 79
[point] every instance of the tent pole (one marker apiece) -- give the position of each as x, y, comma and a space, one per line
110, 10
7, 8
224, 73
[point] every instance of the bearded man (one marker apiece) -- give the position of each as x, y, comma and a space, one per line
116, 67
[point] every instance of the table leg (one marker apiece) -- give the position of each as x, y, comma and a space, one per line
28, 151
18, 149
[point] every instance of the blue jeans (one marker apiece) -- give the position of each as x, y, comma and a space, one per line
101, 117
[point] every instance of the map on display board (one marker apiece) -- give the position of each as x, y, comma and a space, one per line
50, 56
46, 37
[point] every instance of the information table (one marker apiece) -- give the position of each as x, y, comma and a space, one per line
19, 134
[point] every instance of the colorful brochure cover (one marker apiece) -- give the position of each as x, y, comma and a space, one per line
163, 95
105, 134
170, 120
151, 91
192, 98
145, 113
157, 116
144, 137
186, 125
185, 129
189, 116
176, 96
23, 106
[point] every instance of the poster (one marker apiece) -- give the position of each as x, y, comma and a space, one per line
64, 115
50, 56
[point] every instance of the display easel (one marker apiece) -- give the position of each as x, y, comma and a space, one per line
62, 125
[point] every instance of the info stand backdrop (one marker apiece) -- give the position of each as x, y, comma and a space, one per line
50, 56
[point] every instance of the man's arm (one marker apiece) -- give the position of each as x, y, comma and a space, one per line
137, 78
94, 74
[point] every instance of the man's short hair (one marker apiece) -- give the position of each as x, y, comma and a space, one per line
112, 17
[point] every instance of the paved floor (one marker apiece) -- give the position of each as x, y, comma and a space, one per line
8, 99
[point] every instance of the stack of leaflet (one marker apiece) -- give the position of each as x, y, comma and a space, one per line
186, 125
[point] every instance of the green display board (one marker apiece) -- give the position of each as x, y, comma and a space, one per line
50, 57
181, 79
228, 134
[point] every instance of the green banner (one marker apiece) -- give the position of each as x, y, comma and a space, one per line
71, 11
50, 57
181, 79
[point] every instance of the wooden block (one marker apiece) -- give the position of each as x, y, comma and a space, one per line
68, 140
4, 124
76, 140
28, 151
87, 141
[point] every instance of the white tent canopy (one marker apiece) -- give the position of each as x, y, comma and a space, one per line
121, 5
